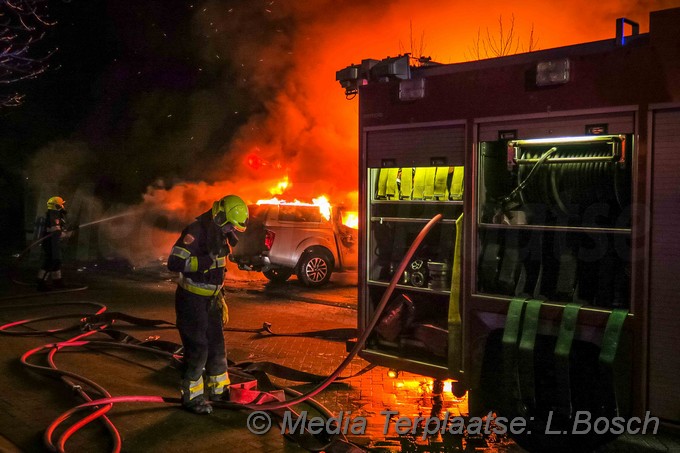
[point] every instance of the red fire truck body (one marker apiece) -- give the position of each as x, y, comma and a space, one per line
550, 282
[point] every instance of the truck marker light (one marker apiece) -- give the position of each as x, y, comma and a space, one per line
552, 72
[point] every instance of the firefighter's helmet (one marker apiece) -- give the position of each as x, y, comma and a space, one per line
56, 203
230, 209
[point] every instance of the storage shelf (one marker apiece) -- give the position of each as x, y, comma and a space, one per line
408, 220
415, 202
412, 288
495, 226
392, 359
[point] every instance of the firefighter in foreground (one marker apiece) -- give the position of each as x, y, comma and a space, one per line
199, 255
53, 225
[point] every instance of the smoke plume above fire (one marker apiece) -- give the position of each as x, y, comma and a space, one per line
283, 55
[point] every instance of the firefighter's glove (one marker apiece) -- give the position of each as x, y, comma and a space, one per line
221, 302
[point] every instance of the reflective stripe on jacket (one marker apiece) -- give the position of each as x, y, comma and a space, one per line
199, 255
202, 289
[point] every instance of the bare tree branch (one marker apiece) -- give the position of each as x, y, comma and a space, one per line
504, 42
22, 25
416, 49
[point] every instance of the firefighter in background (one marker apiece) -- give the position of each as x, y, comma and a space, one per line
199, 255
53, 230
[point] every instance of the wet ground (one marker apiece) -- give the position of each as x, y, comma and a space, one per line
309, 331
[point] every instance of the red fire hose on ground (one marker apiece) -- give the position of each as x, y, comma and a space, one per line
101, 323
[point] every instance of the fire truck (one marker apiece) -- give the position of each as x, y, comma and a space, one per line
547, 285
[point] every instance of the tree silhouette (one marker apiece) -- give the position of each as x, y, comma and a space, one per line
416, 51
505, 42
22, 25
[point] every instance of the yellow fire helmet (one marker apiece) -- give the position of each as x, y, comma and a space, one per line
230, 209
56, 203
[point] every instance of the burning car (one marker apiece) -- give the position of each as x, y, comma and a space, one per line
309, 240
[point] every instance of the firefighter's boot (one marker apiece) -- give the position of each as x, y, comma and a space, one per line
41, 285
57, 281
41, 281
192, 397
218, 387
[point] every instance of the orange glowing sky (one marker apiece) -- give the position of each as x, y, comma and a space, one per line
309, 131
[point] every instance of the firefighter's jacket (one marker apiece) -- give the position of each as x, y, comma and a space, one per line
55, 227
199, 255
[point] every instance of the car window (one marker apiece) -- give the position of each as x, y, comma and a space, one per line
295, 213
256, 211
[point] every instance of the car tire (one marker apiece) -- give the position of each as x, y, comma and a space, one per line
315, 268
278, 275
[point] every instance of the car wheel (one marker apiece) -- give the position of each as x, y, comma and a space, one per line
315, 268
278, 275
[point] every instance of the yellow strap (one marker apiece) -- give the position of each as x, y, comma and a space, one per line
455, 332
440, 190
457, 183
418, 183
382, 183
428, 189
406, 183
391, 189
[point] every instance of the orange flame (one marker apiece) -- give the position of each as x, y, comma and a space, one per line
351, 219
280, 187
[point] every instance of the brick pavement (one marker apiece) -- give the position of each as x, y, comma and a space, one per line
30, 402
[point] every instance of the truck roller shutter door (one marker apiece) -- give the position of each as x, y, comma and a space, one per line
664, 306
415, 146
565, 126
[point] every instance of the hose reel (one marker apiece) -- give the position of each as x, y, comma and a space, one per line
582, 179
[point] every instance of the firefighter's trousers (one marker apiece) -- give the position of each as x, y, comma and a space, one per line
199, 322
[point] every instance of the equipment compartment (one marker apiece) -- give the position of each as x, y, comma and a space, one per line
401, 201
554, 219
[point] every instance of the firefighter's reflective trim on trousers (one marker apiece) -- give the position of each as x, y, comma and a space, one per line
192, 389
217, 384
202, 289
